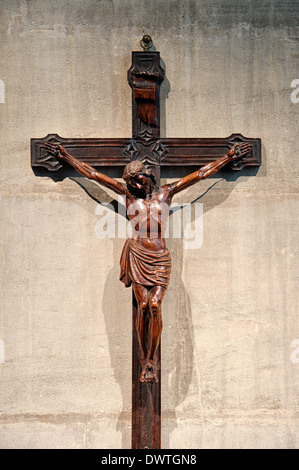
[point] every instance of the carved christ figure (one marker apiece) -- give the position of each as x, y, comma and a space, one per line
145, 260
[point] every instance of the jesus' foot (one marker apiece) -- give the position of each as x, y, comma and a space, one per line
149, 373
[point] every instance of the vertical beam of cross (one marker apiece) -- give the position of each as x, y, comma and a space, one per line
145, 77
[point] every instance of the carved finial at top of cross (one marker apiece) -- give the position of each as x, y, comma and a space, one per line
146, 42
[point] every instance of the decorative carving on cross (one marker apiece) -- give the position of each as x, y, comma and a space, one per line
144, 77
149, 150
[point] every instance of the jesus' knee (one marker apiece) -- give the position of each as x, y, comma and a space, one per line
155, 306
142, 306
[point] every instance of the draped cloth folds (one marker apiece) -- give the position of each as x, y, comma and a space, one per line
142, 266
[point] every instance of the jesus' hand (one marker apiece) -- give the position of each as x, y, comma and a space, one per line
55, 149
239, 150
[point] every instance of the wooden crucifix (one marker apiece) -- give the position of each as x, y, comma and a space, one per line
145, 260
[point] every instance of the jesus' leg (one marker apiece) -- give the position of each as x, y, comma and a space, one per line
141, 294
154, 330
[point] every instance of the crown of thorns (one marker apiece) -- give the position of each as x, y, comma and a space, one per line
134, 169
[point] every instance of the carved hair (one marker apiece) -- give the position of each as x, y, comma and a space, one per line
132, 170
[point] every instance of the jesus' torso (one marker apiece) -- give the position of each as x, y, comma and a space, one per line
149, 217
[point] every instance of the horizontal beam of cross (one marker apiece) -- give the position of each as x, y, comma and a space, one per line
165, 152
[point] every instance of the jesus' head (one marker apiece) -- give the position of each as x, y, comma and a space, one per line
139, 179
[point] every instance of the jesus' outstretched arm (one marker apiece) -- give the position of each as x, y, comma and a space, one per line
236, 152
59, 151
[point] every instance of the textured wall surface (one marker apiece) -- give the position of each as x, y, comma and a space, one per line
230, 367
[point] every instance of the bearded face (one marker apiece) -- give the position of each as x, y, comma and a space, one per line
140, 181
137, 179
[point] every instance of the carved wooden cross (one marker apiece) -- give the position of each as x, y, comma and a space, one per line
145, 77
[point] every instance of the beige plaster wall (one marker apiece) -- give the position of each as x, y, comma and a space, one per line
230, 374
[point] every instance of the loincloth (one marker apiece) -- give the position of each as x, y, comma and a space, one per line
146, 267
